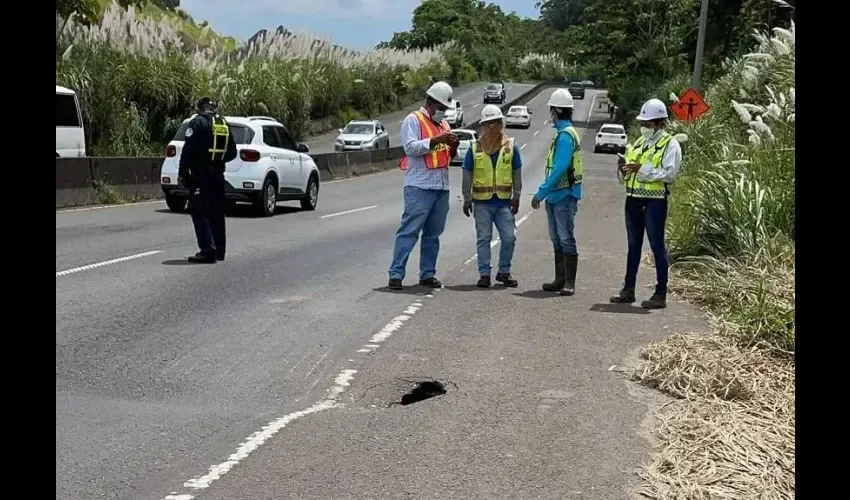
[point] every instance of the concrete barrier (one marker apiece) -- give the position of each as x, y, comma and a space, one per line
83, 181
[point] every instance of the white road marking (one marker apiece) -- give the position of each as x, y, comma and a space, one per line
341, 382
496, 241
476, 105
348, 211
106, 263
100, 207
523, 146
592, 102
536, 132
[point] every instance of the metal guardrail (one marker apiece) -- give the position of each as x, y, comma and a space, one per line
77, 179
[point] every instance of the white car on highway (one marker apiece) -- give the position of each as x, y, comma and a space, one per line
518, 116
465, 137
361, 135
611, 137
270, 167
454, 115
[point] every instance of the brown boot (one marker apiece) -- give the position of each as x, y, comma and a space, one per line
558, 284
570, 269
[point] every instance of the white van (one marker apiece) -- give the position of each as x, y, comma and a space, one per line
70, 136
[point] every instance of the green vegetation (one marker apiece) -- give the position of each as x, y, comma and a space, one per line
138, 77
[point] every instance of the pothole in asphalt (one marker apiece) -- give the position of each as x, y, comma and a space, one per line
422, 390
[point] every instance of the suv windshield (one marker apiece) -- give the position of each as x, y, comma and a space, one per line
517, 110
576, 86
492, 87
359, 128
241, 133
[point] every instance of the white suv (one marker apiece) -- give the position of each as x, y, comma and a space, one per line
611, 137
270, 167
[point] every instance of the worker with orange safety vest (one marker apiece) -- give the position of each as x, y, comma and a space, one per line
429, 145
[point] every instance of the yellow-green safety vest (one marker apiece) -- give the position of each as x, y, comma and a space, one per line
564, 182
640, 152
487, 179
221, 134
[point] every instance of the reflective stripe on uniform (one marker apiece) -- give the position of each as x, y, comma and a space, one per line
220, 130
641, 153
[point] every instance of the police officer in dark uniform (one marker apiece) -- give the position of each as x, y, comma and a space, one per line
209, 145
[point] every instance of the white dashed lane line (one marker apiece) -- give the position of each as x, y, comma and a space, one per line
106, 263
354, 210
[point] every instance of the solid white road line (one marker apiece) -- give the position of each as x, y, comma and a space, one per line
348, 212
100, 207
106, 263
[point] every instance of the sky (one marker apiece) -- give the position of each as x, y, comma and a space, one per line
356, 24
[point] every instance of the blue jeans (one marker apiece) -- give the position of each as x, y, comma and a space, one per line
425, 210
649, 215
485, 216
562, 225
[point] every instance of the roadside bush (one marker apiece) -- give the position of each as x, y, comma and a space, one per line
136, 79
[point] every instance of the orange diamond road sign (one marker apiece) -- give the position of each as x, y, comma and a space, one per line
690, 106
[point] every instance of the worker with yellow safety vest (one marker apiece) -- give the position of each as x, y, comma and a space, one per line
492, 184
650, 165
208, 146
561, 189
429, 145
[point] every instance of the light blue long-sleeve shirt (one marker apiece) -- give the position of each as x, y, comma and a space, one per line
564, 148
417, 174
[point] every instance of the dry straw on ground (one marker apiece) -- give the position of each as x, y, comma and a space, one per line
731, 434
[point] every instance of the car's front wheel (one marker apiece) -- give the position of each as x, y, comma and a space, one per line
311, 198
176, 202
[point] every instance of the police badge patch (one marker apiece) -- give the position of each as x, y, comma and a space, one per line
189, 132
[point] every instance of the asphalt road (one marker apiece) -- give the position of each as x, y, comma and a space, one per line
470, 96
176, 381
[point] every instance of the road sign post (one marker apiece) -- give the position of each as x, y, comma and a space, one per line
690, 106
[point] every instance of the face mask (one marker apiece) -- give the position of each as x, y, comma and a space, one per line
438, 115
647, 132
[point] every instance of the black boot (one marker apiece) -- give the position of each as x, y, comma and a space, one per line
507, 280
570, 269
558, 284
626, 296
483, 282
202, 258
658, 299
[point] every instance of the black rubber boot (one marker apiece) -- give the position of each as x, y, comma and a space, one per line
558, 284
570, 269
483, 282
626, 296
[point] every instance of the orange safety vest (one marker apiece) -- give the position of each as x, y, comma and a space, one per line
440, 156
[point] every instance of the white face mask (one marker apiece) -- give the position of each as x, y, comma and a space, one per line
438, 115
647, 132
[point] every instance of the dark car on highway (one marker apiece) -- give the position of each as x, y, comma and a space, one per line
576, 90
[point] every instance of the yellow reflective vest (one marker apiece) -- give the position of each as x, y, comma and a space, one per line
487, 179
578, 171
640, 152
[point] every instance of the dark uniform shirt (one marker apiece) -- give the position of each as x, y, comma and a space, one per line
196, 159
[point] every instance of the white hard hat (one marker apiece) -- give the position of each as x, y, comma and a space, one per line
491, 112
561, 98
652, 109
441, 92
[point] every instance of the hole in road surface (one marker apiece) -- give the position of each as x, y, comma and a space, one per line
422, 391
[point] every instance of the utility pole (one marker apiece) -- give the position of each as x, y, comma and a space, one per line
703, 20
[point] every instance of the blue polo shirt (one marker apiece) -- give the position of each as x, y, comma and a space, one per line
469, 162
